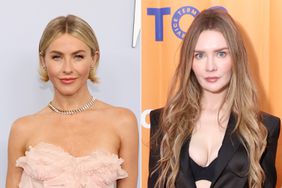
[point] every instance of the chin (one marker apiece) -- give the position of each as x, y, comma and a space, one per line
216, 90
67, 92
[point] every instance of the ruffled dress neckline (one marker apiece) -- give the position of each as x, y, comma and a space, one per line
47, 165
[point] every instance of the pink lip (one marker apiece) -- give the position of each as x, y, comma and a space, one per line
211, 79
67, 80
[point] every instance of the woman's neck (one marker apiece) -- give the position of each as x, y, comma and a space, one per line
67, 102
214, 109
213, 101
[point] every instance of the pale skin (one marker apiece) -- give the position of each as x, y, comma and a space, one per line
101, 128
212, 66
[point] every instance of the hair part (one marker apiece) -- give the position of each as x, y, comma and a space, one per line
76, 27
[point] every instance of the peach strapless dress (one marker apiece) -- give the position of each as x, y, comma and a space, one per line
49, 166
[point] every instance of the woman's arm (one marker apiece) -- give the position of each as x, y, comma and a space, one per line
129, 149
268, 159
16, 149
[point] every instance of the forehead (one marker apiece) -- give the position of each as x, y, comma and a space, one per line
211, 39
67, 43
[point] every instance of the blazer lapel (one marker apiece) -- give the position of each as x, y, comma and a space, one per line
230, 144
185, 178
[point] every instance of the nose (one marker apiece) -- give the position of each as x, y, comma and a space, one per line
211, 64
67, 67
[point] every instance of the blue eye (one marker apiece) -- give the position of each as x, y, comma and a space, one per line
199, 55
221, 54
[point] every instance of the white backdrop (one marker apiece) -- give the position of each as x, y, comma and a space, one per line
22, 23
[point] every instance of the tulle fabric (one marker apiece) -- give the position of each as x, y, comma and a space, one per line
48, 166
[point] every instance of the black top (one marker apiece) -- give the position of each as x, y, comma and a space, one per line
202, 173
231, 169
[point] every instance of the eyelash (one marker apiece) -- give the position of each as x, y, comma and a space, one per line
55, 57
79, 56
219, 54
200, 55
197, 55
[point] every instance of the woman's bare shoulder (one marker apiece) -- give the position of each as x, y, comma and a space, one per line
119, 114
21, 131
125, 124
26, 125
22, 125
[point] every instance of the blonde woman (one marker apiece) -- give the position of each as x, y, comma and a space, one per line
211, 133
76, 140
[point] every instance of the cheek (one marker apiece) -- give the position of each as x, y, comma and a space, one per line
227, 68
83, 70
52, 70
196, 69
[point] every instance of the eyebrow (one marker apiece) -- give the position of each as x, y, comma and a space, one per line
76, 52
216, 50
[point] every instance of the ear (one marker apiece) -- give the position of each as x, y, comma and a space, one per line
95, 58
42, 62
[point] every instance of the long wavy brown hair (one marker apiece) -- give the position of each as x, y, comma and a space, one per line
182, 109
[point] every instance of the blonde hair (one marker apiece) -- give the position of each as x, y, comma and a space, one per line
182, 109
76, 27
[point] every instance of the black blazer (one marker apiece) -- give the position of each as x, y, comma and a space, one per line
231, 170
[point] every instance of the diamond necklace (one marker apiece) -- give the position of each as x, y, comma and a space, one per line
86, 106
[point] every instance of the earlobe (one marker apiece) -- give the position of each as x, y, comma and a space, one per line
42, 63
95, 58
